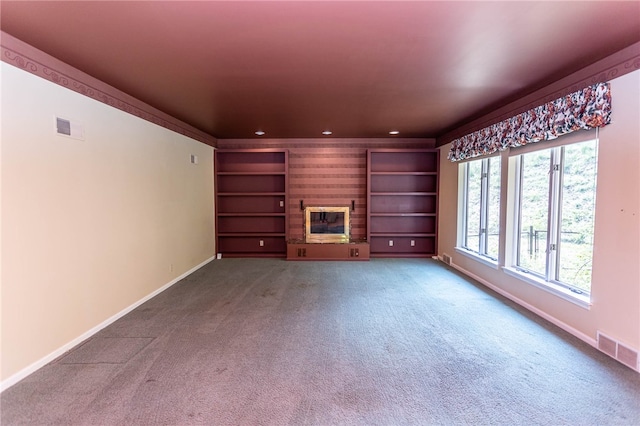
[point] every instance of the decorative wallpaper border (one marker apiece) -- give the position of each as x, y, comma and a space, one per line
21, 55
620, 63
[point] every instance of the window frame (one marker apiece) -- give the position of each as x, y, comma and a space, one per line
462, 245
549, 280
508, 238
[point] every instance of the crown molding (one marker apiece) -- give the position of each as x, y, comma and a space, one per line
620, 63
26, 57
328, 143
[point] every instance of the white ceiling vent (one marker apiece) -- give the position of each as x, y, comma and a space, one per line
69, 128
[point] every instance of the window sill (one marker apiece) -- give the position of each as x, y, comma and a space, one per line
566, 294
477, 257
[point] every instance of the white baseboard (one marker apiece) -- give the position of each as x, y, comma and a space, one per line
580, 335
15, 378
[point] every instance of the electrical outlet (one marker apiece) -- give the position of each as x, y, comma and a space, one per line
281, 203
261, 243
413, 243
390, 243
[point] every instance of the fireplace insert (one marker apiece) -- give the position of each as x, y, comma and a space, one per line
326, 224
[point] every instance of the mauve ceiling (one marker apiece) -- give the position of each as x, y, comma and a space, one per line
294, 69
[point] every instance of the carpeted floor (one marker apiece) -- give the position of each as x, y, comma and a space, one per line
271, 342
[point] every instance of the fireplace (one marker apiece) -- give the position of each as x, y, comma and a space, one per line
326, 224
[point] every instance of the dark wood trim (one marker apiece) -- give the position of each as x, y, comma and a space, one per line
26, 57
620, 63
320, 144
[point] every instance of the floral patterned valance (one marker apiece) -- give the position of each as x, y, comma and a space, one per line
584, 109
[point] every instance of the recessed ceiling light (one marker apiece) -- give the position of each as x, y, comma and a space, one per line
394, 132
327, 132
259, 133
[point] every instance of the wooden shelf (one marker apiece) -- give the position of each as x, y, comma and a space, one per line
401, 234
251, 173
391, 194
251, 202
402, 199
249, 194
252, 234
402, 214
251, 215
403, 173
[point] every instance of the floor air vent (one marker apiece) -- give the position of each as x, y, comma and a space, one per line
446, 258
618, 351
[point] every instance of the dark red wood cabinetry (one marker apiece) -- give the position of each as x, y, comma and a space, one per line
251, 202
252, 205
402, 194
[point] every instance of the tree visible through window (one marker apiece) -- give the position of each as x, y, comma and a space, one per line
482, 207
556, 213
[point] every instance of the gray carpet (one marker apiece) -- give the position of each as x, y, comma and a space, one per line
271, 342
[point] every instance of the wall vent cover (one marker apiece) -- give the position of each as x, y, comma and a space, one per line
607, 345
628, 356
618, 351
63, 126
69, 128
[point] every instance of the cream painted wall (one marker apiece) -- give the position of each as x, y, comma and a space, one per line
615, 308
89, 227
616, 263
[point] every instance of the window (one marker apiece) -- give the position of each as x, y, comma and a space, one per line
481, 207
555, 212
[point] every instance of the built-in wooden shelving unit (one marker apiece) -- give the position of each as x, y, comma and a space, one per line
402, 202
251, 202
